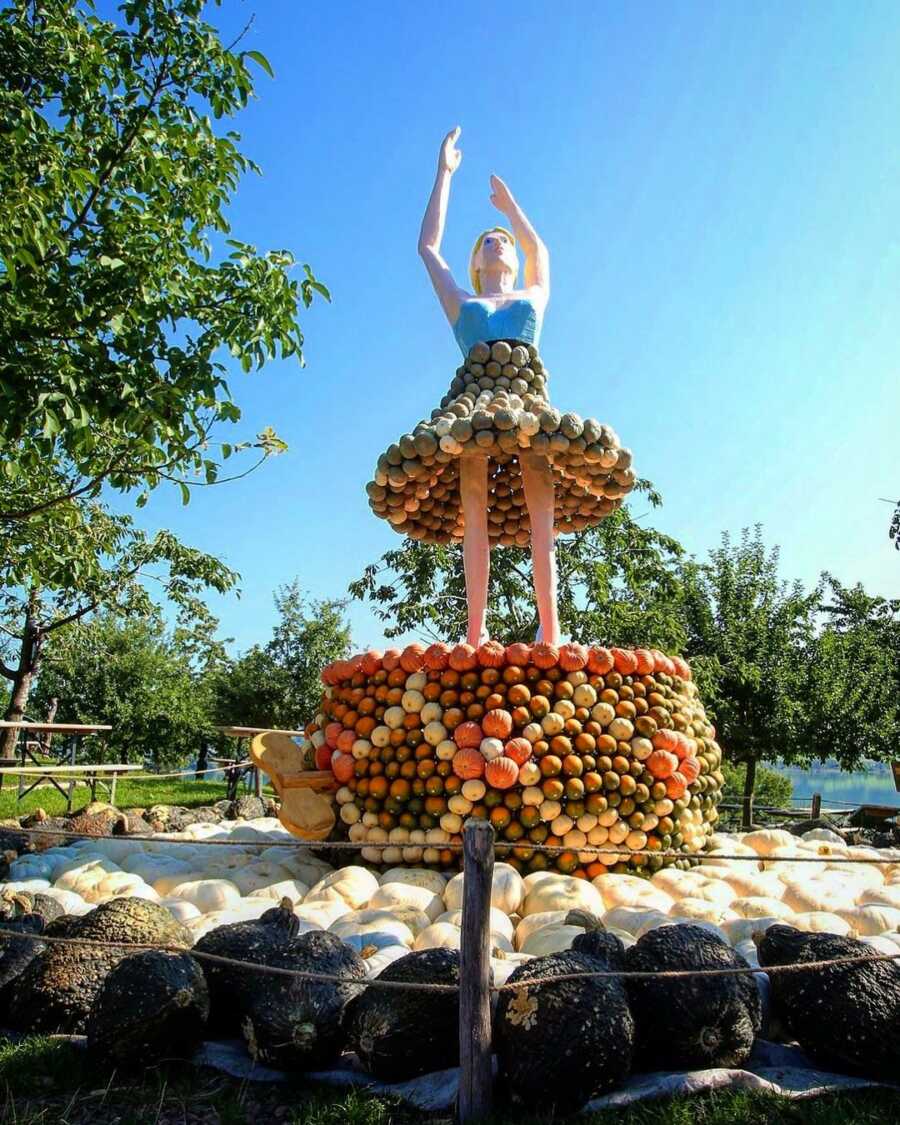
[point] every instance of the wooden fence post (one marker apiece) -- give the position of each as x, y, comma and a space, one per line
476, 1075
816, 809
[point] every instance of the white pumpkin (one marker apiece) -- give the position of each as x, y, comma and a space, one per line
151, 867
872, 919
71, 902
439, 935
881, 896
756, 907
499, 922
167, 885
209, 895
377, 960
390, 896
753, 884
291, 889
533, 922
822, 922
717, 891
551, 939
824, 836
121, 884
319, 915
180, 911
255, 876
434, 881
739, 930
355, 885
634, 921
562, 892
505, 964
507, 890
766, 840
701, 910
380, 926
629, 890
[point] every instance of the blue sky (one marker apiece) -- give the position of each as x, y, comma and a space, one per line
719, 188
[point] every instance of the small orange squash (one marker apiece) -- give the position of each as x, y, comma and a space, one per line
676, 785
468, 764
646, 663
519, 750
463, 658
600, 661
492, 654
391, 659
518, 654
572, 657
501, 773
343, 767
468, 735
412, 659
497, 723
625, 661
544, 656
662, 764
437, 657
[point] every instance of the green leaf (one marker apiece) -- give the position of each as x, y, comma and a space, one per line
260, 59
185, 493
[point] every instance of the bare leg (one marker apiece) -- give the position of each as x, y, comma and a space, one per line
537, 479
476, 546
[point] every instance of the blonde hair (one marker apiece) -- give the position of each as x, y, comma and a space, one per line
474, 276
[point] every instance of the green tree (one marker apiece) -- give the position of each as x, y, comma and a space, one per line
618, 582
119, 288
87, 560
134, 675
278, 684
749, 637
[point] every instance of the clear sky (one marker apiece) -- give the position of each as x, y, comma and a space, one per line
719, 189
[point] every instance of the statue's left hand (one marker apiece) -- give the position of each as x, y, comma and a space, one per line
501, 196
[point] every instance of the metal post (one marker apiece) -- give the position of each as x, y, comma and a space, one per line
476, 1076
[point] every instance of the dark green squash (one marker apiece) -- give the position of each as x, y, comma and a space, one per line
561, 1043
152, 1006
297, 1024
691, 1023
400, 1034
57, 989
254, 941
846, 1017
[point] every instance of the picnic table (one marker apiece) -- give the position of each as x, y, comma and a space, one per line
237, 768
62, 765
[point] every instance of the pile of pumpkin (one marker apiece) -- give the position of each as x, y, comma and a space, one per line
497, 404
594, 751
272, 902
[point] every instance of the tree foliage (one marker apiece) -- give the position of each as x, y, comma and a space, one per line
278, 684
120, 289
132, 674
617, 581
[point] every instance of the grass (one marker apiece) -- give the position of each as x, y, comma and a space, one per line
45, 1081
129, 794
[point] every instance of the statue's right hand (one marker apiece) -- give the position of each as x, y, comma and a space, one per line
450, 154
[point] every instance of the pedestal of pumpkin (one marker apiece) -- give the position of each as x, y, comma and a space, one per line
592, 750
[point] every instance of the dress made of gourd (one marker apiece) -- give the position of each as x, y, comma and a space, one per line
497, 406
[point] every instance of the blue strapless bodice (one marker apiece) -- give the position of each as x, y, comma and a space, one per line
519, 320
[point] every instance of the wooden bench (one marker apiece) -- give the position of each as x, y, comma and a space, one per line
104, 774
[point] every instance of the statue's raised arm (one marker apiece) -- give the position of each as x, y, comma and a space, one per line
537, 259
432, 233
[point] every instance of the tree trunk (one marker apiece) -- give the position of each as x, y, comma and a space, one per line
747, 803
29, 661
46, 739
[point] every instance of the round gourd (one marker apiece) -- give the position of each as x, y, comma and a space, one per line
355, 885
209, 894
401, 895
551, 939
291, 889
822, 922
322, 913
561, 892
871, 919
701, 910
766, 840
507, 890
756, 907
739, 930
500, 923
415, 877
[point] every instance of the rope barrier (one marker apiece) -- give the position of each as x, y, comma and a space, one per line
420, 986
499, 845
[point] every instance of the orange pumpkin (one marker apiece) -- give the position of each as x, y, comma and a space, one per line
690, 768
646, 662
665, 739
371, 662
497, 723
468, 735
437, 657
501, 773
468, 764
544, 655
572, 657
518, 655
684, 747
412, 659
332, 733
676, 786
492, 654
463, 658
625, 661
323, 757
600, 661
391, 659
343, 767
661, 764
682, 668
519, 750
663, 662
345, 740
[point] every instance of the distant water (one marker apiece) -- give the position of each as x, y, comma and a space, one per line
873, 786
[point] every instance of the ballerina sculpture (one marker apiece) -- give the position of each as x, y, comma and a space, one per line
496, 464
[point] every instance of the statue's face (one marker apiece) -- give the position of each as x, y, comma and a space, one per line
497, 249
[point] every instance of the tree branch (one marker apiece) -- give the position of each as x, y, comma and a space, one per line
7, 672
